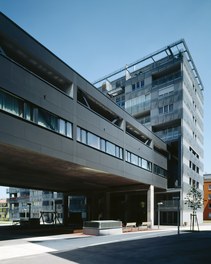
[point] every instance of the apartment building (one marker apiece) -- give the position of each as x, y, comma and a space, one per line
4, 211
44, 205
163, 91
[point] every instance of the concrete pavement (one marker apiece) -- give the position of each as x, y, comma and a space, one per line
153, 246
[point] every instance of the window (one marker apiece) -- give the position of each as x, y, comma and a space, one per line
62, 129
209, 196
134, 159
110, 148
11, 104
209, 187
102, 145
209, 205
166, 91
93, 141
165, 109
160, 110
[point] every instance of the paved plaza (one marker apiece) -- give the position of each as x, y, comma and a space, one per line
162, 245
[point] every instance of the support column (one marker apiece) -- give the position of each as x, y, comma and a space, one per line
65, 209
150, 205
107, 206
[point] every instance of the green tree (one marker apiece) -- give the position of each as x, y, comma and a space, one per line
194, 201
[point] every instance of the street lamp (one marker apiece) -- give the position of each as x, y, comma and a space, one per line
178, 213
159, 204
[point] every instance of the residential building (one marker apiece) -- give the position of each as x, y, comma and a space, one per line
45, 205
207, 196
164, 92
4, 215
61, 134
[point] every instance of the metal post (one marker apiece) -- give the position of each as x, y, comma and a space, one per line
178, 213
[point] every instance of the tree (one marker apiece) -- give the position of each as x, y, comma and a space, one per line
194, 201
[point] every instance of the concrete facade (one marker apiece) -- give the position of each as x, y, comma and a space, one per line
62, 134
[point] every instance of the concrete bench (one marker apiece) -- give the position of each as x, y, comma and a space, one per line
16, 221
130, 225
102, 227
145, 225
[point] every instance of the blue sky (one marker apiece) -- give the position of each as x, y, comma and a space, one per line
96, 37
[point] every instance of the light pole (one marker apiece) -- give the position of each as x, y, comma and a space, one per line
159, 204
178, 213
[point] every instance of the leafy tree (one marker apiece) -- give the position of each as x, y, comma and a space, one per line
194, 201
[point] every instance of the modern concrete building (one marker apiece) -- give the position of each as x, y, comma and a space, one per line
164, 92
59, 133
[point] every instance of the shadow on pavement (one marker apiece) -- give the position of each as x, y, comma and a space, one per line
187, 248
16, 232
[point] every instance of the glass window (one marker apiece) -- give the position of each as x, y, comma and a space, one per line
28, 112
102, 145
209, 196
78, 136
93, 141
83, 136
209, 187
160, 110
120, 153
166, 109
11, 104
110, 148
144, 164
128, 155
117, 151
47, 120
140, 162
134, 159
62, 127
171, 108
69, 130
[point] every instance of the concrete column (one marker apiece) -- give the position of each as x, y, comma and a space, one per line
65, 209
150, 204
107, 206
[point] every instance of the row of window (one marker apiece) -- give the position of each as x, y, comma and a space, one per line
194, 152
165, 109
99, 143
30, 112
144, 164
193, 183
137, 85
193, 166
